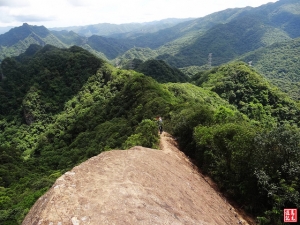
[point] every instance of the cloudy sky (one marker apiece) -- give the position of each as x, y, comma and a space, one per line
61, 13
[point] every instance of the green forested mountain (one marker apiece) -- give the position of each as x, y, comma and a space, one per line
227, 41
250, 93
280, 64
185, 31
264, 150
18, 39
110, 47
16, 34
69, 37
161, 71
54, 103
56, 71
227, 34
285, 15
157, 69
170, 40
135, 53
63, 106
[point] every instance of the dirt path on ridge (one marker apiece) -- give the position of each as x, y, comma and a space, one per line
169, 146
136, 186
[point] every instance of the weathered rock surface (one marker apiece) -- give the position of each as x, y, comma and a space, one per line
135, 186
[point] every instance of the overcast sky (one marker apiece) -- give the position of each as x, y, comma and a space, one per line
62, 13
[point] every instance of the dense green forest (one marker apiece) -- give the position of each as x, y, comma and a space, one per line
280, 64
255, 161
226, 42
18, 39
60, 107
226, 34
161, 71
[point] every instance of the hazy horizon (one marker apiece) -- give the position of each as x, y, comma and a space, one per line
66, 13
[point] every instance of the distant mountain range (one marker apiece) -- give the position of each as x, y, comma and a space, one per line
107, 29
180, 42
227, 35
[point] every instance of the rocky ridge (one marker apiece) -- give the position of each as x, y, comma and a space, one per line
135, 186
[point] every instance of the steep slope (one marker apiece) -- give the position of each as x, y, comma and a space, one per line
237, 127
161, 71
280, 64
19, 33
110, 47
135, 186
69, 37
18, 39
284, 14
226, 34
49, 75
243, 87
55, 128
171, 40
239, 153
227, 41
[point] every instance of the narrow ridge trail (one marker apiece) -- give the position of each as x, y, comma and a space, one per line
136, 186
170, 146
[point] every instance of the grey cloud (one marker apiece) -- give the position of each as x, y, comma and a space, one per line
14, 3
4, 17
32, 18
5, 3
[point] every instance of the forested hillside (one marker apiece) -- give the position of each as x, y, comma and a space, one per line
18, 39
161, 71
250, 93
65, 106
56, 102
227, 41
259, 158
110, 47
227, 34
280, 64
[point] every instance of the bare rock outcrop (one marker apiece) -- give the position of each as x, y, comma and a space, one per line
135, 186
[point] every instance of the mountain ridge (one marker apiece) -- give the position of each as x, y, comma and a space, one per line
64, 106
134, 186
108, 29
187, 43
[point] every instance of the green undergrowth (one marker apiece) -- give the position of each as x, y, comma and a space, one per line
67, 106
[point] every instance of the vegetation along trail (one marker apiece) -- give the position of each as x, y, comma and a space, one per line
135, 186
